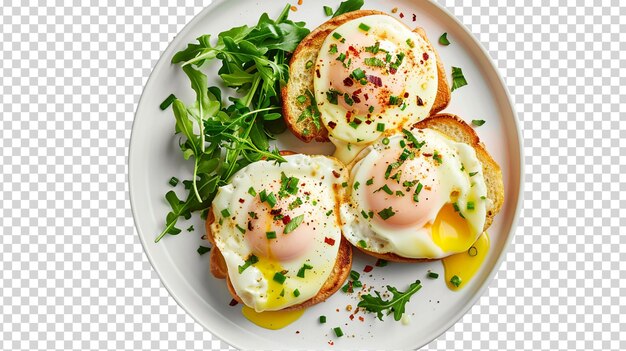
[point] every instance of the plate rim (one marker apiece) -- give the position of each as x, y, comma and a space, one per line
501, 255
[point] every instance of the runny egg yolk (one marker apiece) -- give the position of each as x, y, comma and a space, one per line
275, 291
284, 247
450, 231
382, 84
399, 192
465, 265
272, 320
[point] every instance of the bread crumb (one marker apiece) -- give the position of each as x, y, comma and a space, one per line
394, 10
349, 308
294, 9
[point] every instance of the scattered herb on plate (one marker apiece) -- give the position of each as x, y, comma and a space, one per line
396, 304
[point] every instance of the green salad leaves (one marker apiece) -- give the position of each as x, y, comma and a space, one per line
348, 6
396, 304
222, 138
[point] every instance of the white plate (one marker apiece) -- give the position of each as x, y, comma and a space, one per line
154, 158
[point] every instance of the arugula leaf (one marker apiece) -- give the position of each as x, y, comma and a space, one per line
396, 304
458, 79
222, 139
443, 39
348, 6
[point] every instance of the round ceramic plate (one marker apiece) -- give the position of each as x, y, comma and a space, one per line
155, 157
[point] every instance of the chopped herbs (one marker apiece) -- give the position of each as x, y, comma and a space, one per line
288, 185
203, 249
406, 154
413, 139
370, 181
470, 205
417, 192
322, 319
303, 270
354, 275
456, 281
443, 39
296, 293
309, 64
386, 213
348, 99
251, 191
473, 174
356, 185
394, 100
338, 332
242, 230
381, 263
250, 261
380, 127
190, 229
348, 6
374, 62
358, 74
282, 293
329, 213
331, 95
385, 141
396, 304
364, 214
374, 48
225, 213
173, 181
279, 277
295, 204
301, 99
364, 27
410, 43
333, 49
437, 157
384, 188
433, 275
458, 80
371, 109
271, 199
344, 184
362, 243
341, 57
337, 35
270, 235
295, 222
478, 122
167, 102
328, 11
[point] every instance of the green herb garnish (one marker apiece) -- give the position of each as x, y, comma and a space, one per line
250, 261
458, 80
203, 249
303, 270
338, 332
348, 6
167, 102
456, 281
433, 275
395, 304
478, 122
364, 27
443, 39
295, 222
270, 235
173, 181
279, 277
328, 11
386, 213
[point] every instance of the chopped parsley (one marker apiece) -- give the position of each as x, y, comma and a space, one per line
295, 222
362, 243
370, 181
250, 261
279, 277
386, 213
303, 269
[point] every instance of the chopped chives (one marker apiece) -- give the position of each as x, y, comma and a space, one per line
380, 127
167, 102
279, 277
364, 214
242, 230
225, 213
309, 64
386, 213
356, 185
270, 235
456, 281
322, 319
296, 293
473, 174
303, 269
250, 261
371, 109
251, 191
470, 205
336, 35
301, 99
338, 332
173, 181
362, 243
410, 43
433, 275
370, 181
478, 122
203, 249
328, 11
358, 74
364, 27
354, 275
333, 49
341, 57
385, 141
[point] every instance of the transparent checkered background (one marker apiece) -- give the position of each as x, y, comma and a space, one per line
73, 274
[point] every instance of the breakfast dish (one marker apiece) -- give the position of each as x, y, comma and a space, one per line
278, 239
425, 193
363, 73
330, 190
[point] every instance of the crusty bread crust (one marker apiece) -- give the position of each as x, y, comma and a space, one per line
339, 274
301, 78
455, 128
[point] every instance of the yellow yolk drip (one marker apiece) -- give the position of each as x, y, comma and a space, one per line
466, 264
275, 290
450, 231
272, 319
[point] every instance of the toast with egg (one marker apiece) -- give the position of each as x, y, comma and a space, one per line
338, 276
302, 72
340, 272
457, 130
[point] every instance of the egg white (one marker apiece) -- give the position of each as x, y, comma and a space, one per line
459, 161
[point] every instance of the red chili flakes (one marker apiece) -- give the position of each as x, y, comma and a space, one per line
414, 17
329, 241
356, 99
348, 82
377, 81
317, 72
368, 269
361, 318
358, 91
348, 116
351, 317
331, 343
233, 302
401, 15
368, 122
250, 225
332, 124
425, 56
392, 71
352, 50
336, 174
241, 201
286, 220
406, 95
367, 97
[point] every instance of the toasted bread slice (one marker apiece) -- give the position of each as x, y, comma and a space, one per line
301, 77
339, 274
455, 128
